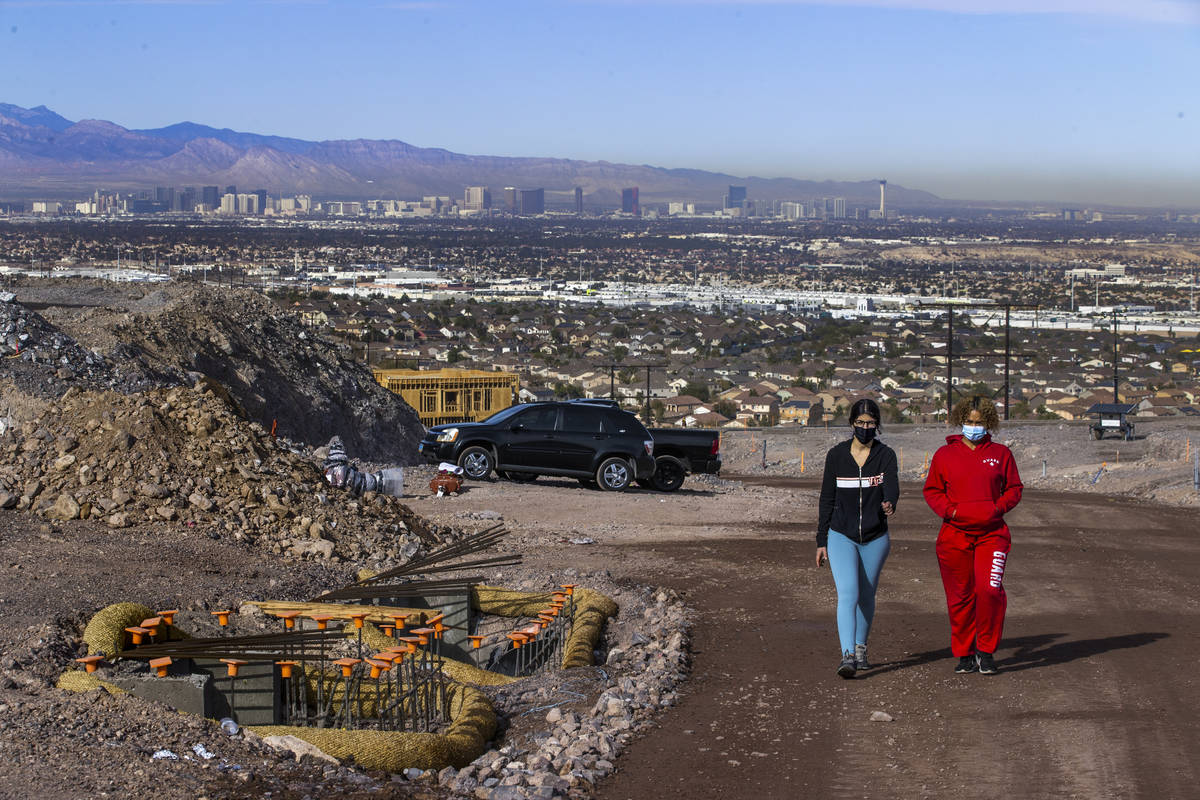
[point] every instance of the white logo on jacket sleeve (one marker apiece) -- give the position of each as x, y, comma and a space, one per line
998, 559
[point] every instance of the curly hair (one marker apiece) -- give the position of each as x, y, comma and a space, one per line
963, 408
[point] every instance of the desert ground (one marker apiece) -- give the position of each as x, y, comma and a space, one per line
130, 473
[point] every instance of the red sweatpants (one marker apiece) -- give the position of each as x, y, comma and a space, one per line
972, 567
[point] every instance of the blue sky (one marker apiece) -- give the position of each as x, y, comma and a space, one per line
1058, 100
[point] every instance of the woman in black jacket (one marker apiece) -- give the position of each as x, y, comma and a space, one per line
859, 492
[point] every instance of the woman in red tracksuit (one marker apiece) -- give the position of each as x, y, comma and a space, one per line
972, 484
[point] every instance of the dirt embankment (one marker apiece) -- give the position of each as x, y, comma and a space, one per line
1156, 465
92, 335
184, 457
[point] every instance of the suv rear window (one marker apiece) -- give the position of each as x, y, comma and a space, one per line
623, 422
576, 418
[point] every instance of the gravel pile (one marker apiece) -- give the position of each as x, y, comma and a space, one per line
275, 370
43, 361
182, 456
563, 731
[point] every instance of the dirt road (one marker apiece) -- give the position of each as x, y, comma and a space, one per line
1096, 696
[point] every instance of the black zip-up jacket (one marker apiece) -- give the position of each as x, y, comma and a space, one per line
852, 497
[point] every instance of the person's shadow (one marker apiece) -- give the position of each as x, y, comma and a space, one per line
1030, 652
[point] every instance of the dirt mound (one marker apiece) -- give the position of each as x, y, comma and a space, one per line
44, 362
183, 456
131, 338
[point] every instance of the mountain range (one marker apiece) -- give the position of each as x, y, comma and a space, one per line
46, 156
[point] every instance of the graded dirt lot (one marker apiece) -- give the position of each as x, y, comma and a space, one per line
1096, 695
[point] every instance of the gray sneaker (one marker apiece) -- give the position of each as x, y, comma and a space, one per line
860, 657
847, 667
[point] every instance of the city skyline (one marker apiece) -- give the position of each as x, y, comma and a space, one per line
1089, 103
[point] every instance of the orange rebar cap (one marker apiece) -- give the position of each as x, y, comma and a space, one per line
399, 619
285, 668
347, 665
151, 624
169, 616
90, 663
289, 618
422, 634
388, 630
322, 620
137, 633
476, 642
518, 639
570, 587
378, 666
159, 665
232, 665
222, 617
359, 619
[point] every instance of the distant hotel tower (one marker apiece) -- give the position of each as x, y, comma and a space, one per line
883, 200
736, 197
531, 201
477, 198
629, 201
578, 199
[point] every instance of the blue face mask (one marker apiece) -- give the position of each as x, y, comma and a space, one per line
974, 432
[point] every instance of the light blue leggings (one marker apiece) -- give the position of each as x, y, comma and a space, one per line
856, 569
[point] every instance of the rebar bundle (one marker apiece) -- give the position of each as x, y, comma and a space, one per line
401, 688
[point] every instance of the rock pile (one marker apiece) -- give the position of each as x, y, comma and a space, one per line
578, 749
276, 369
42, 360
182, 456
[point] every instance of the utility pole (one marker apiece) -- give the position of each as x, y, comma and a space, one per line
1116, 395
951, 355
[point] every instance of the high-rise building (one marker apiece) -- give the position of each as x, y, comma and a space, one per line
211, 197
578, 199
629, 201
883, 199
510, 199
736, 197
261, 194
477, 198
185, 200
531, 201
839, 208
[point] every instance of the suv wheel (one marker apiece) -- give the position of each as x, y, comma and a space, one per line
613, 474
476, 462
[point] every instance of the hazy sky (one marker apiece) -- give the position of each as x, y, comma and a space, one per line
1058, 100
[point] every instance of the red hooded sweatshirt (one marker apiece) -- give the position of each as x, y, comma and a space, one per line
972, 490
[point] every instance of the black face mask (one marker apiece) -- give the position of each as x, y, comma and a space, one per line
864, 435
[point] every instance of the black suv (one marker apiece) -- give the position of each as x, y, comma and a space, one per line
593, 440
